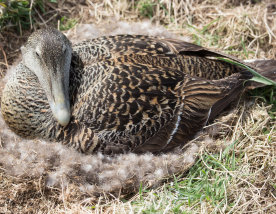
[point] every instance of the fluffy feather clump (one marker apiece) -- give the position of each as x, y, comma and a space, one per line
94, 173
62, 166
89, 31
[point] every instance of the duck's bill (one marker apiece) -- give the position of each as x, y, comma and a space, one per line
60, 104
61, 112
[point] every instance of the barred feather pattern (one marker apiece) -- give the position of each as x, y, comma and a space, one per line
127, 93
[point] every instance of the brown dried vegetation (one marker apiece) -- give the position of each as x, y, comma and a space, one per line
38, 177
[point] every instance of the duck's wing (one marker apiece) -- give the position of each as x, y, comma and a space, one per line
266, 67
137, 92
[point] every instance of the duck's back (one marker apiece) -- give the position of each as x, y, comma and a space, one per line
138, 93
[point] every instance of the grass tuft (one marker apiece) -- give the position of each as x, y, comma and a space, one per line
146, 8
67, 23
16, 14
206, 182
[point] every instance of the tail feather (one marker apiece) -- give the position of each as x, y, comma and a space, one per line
267, 68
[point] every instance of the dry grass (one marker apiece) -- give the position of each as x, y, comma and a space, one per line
247, 170
216, 24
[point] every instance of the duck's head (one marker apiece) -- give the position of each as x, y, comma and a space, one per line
48, 53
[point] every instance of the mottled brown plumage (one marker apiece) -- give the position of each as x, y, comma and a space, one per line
126, 93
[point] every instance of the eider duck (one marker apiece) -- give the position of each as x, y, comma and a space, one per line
117, 94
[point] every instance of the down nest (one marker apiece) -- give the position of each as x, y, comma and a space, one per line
62, 166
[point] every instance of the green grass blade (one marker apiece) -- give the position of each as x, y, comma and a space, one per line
257, 77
